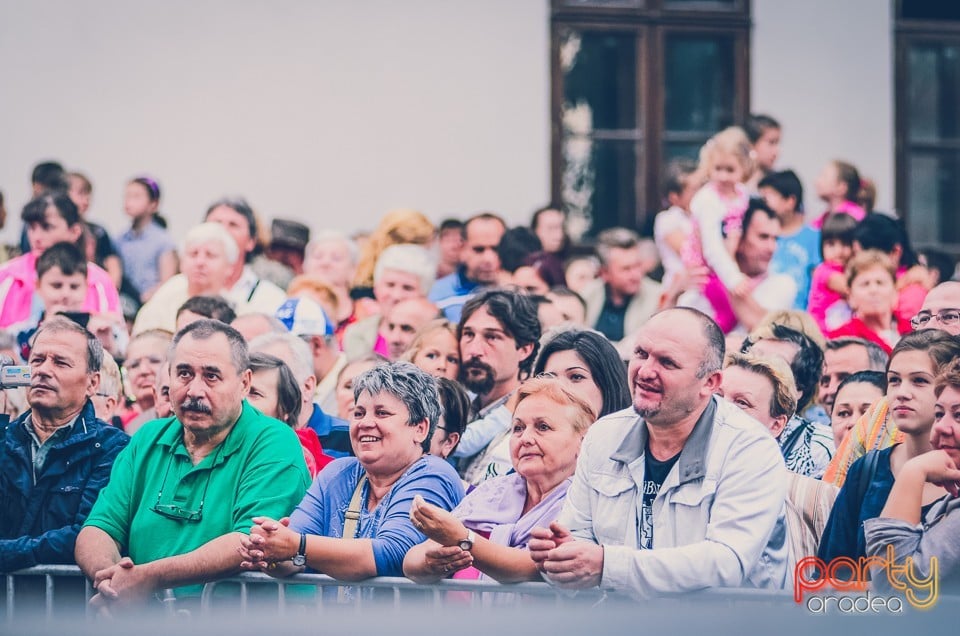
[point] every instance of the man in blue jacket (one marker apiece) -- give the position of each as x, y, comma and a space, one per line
55, 458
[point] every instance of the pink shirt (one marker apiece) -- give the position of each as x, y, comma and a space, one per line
18, 281
827, 307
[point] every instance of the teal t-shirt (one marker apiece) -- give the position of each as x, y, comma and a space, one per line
158, 504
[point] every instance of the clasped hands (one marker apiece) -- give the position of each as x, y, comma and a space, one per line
269, 543
565, 561
123, 583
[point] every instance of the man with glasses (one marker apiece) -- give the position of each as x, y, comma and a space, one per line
187, 486
56, 457
874, 430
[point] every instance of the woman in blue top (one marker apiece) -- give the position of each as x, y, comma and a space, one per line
913, 366
396, 412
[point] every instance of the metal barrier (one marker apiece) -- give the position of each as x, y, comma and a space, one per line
296, 591
41, 581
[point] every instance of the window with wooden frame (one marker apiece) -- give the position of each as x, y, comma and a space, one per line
637, 83
927, 80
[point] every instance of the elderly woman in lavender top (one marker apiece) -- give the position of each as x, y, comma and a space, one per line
487, 534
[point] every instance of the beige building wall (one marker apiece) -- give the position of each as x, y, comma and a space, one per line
329, 111
825, 70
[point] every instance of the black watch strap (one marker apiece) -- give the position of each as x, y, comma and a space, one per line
300, 558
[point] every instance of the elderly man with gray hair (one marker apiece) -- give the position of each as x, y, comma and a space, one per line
185, 489
207, 256
55, 458
402, 272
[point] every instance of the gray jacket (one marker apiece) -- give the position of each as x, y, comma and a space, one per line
718, 520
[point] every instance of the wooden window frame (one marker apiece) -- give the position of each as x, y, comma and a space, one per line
906, 33
651, 22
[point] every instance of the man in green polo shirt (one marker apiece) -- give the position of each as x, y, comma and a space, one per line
186, 486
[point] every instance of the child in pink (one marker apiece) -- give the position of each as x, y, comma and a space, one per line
717, 213
828, 285
50, 219
838, 185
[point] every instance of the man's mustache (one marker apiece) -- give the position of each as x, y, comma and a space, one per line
195, 405
475, 363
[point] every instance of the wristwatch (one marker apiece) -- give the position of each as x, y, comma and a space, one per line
300, 558
466, 544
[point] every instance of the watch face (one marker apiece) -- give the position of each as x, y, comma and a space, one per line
299, 560
466, 544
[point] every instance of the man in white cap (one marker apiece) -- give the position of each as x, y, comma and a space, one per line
306, 319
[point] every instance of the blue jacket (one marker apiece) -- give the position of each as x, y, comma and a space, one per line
39, 522
333, 432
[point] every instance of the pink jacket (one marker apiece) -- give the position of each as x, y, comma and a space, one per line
18, 280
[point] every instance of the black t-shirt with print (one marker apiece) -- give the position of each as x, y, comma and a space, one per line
654, 473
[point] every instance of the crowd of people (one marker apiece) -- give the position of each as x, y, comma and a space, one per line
703, 408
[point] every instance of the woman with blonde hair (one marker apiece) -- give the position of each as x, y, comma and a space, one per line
395, 228
872, 279
436, 349
490, 529
765, 389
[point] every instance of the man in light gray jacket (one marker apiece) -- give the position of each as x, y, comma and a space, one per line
682, 492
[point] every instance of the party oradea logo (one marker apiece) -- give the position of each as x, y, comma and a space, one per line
849, 578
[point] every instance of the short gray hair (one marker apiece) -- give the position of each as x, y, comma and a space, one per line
60, 324
207, 328
300, 359
333, 236
615, 238
876, 357
410, 259
406, 382
209, 231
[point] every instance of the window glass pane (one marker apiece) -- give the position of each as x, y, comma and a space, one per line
599, 80
933, 92
699, 90
599, 181
682, 150
601, 3
934, 191
929, 10
699, 4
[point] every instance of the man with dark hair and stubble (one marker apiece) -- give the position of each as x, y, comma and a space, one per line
499, 337
680, 493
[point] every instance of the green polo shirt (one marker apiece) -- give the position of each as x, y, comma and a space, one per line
158, 504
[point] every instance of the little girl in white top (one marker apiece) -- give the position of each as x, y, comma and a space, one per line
717, 212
